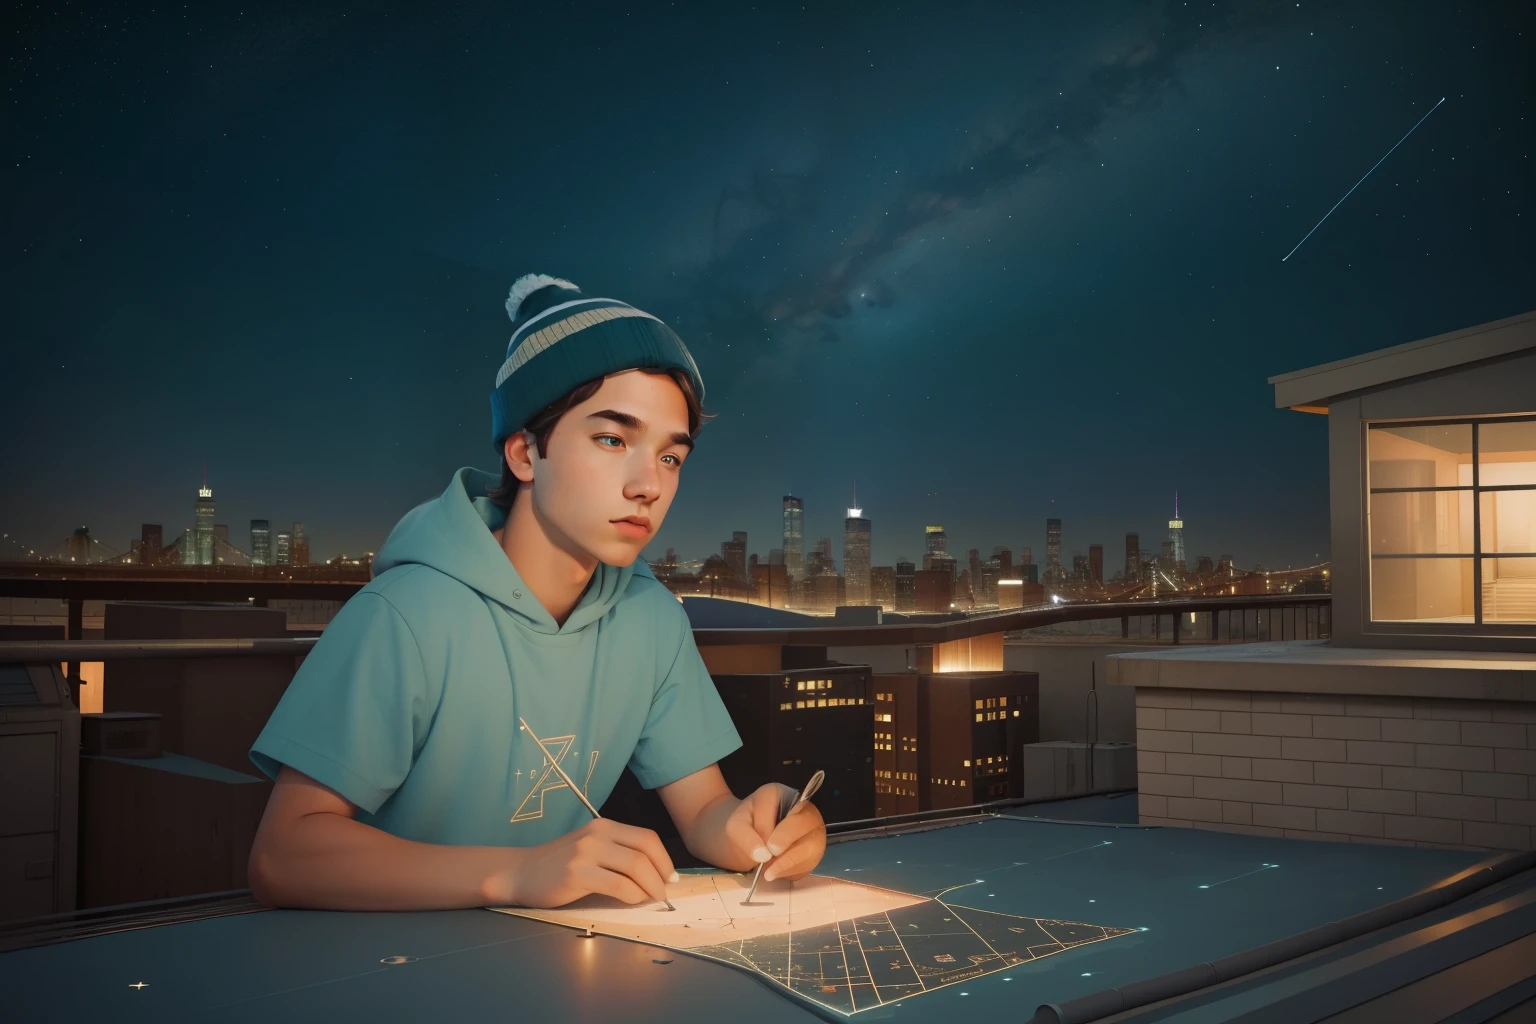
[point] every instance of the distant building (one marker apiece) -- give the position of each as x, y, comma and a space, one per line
151, 544
300, 549
202, 530
261, 542
984, 583
882, 587
965, 597
1053, 569
1132, 556
824, 592
1176, 535
959, 736
906, 586
78, 546
284, 549
794, 536
1079, 567
1031, 572
1096, 564
935, 589
734, 551
772, 584
1203, 565
1019, 593
797, 721
935, 552
856, 535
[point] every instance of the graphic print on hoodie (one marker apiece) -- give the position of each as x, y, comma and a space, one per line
408, 704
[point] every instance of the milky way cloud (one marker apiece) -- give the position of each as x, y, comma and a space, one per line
811, 285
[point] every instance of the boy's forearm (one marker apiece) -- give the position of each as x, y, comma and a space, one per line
706, 839
328, 861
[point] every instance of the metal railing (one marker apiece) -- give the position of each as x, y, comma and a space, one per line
1231, 619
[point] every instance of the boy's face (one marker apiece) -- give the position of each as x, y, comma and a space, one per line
612, 467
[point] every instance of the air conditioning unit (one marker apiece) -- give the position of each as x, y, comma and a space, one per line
1061, 768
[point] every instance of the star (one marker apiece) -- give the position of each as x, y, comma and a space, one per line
139, 985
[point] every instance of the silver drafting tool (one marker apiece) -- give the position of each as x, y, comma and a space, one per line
561, 772
805, 794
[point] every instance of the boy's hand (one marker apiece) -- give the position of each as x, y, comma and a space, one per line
602, 856
793, 846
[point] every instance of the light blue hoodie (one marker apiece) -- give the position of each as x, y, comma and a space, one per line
408, 705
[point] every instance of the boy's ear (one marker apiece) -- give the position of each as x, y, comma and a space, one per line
519, 451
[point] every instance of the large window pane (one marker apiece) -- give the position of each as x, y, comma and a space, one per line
1506, 453
1509, 590
1421, 589
1421, 523
1508, 522
1439, 456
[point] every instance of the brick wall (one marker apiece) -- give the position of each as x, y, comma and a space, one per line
1379, 770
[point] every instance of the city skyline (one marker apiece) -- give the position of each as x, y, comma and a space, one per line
205, 515
998, 266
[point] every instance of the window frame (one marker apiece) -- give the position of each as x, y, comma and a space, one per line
1419, 627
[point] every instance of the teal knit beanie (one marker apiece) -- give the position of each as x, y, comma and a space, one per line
561, 339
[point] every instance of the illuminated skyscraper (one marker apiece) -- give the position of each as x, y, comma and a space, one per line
283, 540
794, 537
937, 556
299, 552
261, 542
1176, 534
1096, 564
1132, 556
1053, 570
856, 531
202, 530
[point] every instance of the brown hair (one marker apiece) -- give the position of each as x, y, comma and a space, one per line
542, 424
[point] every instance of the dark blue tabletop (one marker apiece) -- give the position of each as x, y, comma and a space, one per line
1183, 895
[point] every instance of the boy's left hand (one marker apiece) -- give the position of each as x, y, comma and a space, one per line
792, 847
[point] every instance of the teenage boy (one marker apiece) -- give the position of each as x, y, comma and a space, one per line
404, 779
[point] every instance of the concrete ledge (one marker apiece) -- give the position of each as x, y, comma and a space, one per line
1314, 666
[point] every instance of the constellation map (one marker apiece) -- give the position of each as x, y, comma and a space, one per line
847, 946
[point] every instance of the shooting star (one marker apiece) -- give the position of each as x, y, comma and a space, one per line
1361, 181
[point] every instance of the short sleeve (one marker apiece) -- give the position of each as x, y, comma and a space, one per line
357, 709
688, 728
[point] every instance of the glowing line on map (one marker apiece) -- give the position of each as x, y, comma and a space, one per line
1245, 874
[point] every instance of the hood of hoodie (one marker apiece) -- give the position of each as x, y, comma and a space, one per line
452, 534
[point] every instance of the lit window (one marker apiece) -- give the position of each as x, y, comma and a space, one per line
1452, 539
978, 703
799, 703
967, 763
800, 685
978, 716
1015, 713
1002, 702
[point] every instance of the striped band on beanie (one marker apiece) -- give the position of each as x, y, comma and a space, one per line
561, 339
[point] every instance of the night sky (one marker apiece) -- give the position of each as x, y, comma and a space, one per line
987, 263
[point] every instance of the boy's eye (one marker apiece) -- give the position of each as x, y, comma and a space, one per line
617, 441
675, 460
